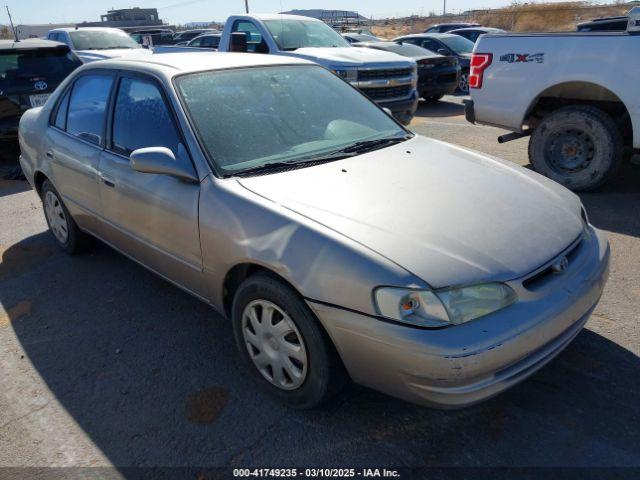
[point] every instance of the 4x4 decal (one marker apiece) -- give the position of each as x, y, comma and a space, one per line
522, 57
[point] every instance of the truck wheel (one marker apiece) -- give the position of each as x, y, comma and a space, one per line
283, 344
579, 147
62, 226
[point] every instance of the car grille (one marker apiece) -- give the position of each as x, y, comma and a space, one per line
364, 75
387, 93
540, 278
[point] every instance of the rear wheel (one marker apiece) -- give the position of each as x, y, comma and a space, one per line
63, 228
282, 343
463, 82
579, 147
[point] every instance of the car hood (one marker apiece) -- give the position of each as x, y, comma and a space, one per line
93, 55
349, 56
445, 214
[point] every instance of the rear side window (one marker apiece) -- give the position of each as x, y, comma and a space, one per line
142, 119
87, 107
61, 115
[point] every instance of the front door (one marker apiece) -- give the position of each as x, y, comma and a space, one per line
151, 217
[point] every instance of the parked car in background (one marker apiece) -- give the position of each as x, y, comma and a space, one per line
473, 33
158, 36
185, 36
582, 116
437, 75
605, 24
389, 79
209, 40
30, 70
338, 243
360, 37
97, 43
448, 45
445, 27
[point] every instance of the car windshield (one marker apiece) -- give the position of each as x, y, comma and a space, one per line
101, 40
458, 44
294, 34
249, 119
49, 63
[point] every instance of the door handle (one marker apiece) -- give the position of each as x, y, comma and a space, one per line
49, 154
108, 181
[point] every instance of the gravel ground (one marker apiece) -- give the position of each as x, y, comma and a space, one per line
102, 363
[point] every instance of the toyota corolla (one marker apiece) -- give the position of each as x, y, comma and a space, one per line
338, 243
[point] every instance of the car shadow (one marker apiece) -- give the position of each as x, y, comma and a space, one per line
439, 109
152, 377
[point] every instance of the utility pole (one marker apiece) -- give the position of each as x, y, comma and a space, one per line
444, 9
246, 5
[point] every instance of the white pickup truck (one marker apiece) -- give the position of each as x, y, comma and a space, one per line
576, 94
388, 79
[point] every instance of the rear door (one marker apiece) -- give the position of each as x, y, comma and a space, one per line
74, 140
153, 218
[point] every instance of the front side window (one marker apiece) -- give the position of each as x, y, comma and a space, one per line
101, 40
247, 119
294, 34
142, 119
255, 42
88, 106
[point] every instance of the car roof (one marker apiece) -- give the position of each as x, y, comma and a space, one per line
453, 23
30, 44
428, 35
278, 16
73, 29
172, 64
476, 29
427, 53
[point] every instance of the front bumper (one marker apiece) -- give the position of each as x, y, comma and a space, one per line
461, 365
404, 105
441, 81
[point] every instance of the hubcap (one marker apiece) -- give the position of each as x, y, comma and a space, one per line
275, 344
56, 217
570, 151
463, 83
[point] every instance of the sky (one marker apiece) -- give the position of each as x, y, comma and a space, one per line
183, 11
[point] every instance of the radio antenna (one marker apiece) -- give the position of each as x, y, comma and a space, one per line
13, 29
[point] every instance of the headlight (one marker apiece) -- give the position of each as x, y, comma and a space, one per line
443, 307
348, 75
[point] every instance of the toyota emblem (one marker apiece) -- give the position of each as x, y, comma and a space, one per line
40, 85
561, 265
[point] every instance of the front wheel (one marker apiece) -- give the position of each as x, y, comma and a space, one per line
283, 344
579, 147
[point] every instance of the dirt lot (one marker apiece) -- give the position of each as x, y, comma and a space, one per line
102, 363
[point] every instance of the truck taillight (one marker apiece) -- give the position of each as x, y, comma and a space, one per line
479, 63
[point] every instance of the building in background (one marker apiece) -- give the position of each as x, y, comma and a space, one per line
127, 19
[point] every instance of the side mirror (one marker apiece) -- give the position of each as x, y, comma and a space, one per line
444, 51
161, 161
387, 111
239, 42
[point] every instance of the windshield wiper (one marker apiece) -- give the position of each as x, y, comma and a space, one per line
369, 145
298, 162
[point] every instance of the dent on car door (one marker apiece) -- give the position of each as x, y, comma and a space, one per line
151, 217
73, 143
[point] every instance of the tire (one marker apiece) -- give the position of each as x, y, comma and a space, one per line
433, 98
463, 82
63, 228
314, 372
579, 147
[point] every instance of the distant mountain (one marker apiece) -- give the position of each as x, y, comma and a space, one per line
326, 14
